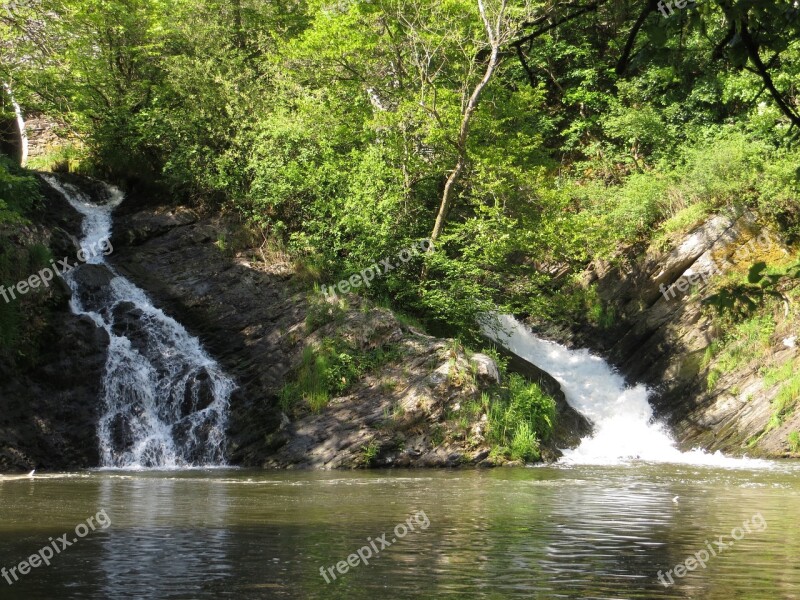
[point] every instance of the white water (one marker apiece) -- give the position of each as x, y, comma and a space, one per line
624, 427
166, 400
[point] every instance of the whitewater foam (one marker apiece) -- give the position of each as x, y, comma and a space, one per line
625, 429
166, 401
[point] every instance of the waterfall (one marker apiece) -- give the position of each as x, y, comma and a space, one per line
165, 400
624, 426
23, 135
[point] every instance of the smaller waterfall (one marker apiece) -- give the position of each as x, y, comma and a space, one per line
624, 426
166, 400
23, 134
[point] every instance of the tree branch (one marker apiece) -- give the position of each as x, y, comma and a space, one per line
525, 66
539, 32
752, 51
626, 53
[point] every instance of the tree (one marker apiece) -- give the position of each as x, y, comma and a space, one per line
498, 32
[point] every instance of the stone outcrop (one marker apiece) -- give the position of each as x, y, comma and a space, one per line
664, 333
51, 386
252, 312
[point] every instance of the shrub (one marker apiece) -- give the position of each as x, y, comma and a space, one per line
520, 417
794, 441
19, 191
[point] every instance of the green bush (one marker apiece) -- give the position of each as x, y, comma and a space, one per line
723, 171
520, 417
19, 191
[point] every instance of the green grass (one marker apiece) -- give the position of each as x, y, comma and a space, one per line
520, 417
740, 345
794, 441
322, 310
684, 220
329, 370
784, 403
311, 383
66, 158
779, 374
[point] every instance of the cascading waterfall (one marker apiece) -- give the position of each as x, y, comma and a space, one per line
624, 426
166, 401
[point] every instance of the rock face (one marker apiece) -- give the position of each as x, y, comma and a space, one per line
50, 412
253, 315
50, 389
412, 412
245, 317
665, 337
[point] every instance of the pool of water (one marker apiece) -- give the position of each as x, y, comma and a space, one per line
545, 532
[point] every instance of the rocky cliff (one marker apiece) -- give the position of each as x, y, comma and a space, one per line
256, 315
722, 385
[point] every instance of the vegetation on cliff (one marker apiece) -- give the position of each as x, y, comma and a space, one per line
23, 251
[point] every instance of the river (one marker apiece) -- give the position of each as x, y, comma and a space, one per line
590, 531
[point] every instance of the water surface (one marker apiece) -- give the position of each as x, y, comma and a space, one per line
546, 532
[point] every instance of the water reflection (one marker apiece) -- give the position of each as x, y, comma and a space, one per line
171, 535
580, 532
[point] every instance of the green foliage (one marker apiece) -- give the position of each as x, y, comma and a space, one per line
67, 158
369, 453
10, 324
785, 401
333, 129
779, 374
323, 310
17, 329
794, 441
19, 192
740, 300
520, 418
739, 346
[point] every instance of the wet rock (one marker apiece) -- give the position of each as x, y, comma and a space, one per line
198, 394
121, 434
128, 323
94, 282
49, 412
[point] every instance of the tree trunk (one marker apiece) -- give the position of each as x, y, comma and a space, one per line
466, 119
